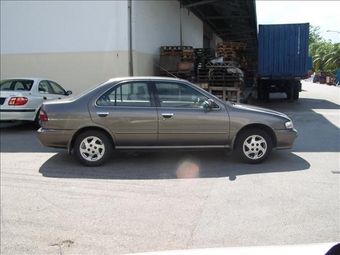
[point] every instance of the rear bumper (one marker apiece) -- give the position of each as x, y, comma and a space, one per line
285, 138
54, 138
11, 115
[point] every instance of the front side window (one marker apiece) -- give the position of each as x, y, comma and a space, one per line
127, 94
179, 95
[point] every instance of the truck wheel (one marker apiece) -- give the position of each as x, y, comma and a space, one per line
253, 146
297, 89
259, 91
294, 88
92, 148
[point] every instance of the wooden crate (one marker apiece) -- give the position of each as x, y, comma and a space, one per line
226, 93
184, 66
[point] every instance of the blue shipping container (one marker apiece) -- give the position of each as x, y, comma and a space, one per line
283, 50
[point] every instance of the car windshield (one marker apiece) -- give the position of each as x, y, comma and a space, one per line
16, 85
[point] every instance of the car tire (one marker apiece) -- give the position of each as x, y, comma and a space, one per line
36, 122
92, 148
254, 146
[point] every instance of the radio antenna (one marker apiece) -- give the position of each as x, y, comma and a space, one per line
164, 70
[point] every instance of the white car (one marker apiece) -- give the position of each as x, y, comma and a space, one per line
21, 98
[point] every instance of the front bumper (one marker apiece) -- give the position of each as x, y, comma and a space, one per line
285, 138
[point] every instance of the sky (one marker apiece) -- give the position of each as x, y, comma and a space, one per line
323, 14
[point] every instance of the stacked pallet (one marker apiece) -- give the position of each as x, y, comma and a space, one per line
225, 79
177, 61
231, 51
202, 57
186, 53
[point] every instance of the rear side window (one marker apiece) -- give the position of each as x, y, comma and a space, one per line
44, 87
16, 85
127, 94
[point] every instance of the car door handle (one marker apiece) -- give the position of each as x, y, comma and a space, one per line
102, 114
167, 115
45, 98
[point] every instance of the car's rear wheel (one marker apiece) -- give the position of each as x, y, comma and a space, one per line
92, 148
254, 146
37, 123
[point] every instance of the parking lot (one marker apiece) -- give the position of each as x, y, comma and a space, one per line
153, 201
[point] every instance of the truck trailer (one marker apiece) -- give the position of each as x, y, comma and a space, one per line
282, 59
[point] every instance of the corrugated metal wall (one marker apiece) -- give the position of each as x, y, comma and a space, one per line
283, 50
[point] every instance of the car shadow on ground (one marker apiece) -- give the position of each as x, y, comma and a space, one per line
170, 165
280, 103
316, 133
21, 137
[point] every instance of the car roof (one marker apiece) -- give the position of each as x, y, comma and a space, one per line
26, 78
143, 78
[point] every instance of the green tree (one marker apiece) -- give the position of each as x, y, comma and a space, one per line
332, 59
322, 49
325, 55
314, 35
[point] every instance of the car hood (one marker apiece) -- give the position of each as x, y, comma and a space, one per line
256, 109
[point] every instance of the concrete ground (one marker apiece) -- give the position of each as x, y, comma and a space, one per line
154, 201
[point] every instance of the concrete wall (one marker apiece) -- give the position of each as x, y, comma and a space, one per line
192, 29
76, 71
77, 43
63, 26
161, 23
83, 43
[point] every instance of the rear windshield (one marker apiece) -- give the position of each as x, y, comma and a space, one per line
16, 85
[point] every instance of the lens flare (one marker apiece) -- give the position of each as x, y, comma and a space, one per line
188, 168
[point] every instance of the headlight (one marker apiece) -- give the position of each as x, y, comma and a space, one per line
289, 125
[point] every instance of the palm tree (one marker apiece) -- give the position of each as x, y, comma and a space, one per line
326, 56
333, 58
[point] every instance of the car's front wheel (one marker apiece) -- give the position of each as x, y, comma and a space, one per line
92, 148
254, 146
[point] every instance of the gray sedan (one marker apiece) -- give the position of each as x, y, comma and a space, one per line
159, 113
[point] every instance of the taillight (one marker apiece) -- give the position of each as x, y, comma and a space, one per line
43, 115
17, 101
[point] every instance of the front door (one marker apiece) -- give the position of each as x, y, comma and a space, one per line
183, 120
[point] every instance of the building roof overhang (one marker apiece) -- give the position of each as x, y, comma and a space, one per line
231, 20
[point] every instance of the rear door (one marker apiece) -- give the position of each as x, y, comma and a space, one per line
129, 112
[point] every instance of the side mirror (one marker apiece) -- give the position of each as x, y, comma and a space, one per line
208, 104
69, 92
